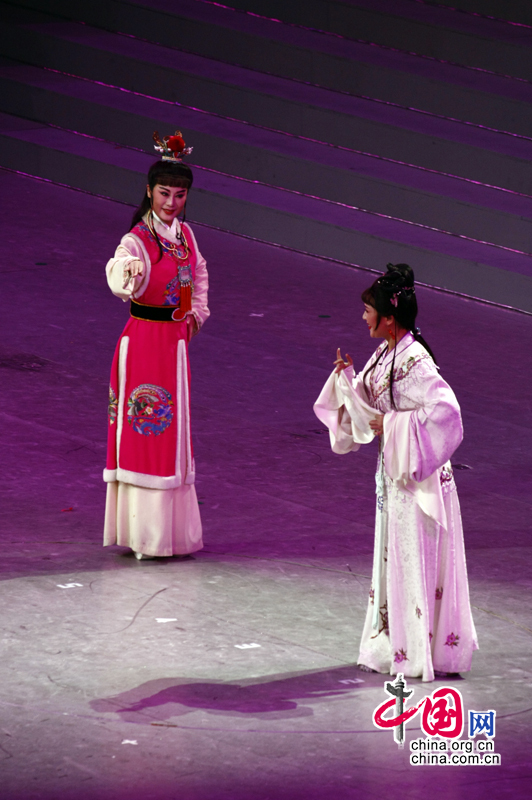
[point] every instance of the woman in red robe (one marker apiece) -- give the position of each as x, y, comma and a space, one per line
151, 500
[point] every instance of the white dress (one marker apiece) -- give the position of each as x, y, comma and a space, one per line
419, 615
149, 519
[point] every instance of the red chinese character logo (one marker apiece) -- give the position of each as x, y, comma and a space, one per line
440, 719
442, 711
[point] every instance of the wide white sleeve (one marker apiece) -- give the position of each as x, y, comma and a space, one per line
201, 286
129, 249
343, 407
420, 441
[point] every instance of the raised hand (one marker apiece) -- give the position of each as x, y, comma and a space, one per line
340, 364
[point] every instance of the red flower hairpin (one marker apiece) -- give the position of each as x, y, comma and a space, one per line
172, 147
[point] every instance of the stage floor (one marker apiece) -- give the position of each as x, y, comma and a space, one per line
125, 679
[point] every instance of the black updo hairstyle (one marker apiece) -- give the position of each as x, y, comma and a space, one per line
394, 295
164, 173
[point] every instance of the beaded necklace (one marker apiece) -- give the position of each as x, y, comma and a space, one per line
172, 248
183, 269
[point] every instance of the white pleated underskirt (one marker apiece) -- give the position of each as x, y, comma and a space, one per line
156, 522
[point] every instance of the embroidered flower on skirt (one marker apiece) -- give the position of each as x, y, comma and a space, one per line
149, 409
452, 640
113, 406
439, 592
400, 655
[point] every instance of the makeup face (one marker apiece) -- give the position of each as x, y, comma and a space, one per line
378, 328
167, 201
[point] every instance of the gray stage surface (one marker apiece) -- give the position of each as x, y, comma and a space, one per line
125, 679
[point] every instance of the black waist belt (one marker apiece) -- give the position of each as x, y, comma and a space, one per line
155, 313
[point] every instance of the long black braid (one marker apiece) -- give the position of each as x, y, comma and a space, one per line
394, 295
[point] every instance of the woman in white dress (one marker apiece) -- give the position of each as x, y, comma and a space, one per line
419, 619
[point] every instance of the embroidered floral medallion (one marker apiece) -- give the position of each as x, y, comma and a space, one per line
113, 406
149, 409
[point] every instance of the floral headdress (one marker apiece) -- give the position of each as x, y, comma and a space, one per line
172, 147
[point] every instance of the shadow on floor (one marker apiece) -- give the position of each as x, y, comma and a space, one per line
275, 697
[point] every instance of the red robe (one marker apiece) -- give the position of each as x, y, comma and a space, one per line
149, 441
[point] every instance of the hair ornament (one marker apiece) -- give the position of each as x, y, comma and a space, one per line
172, 147
405, 291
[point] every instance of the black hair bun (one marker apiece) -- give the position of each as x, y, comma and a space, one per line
399, 276
397, 283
